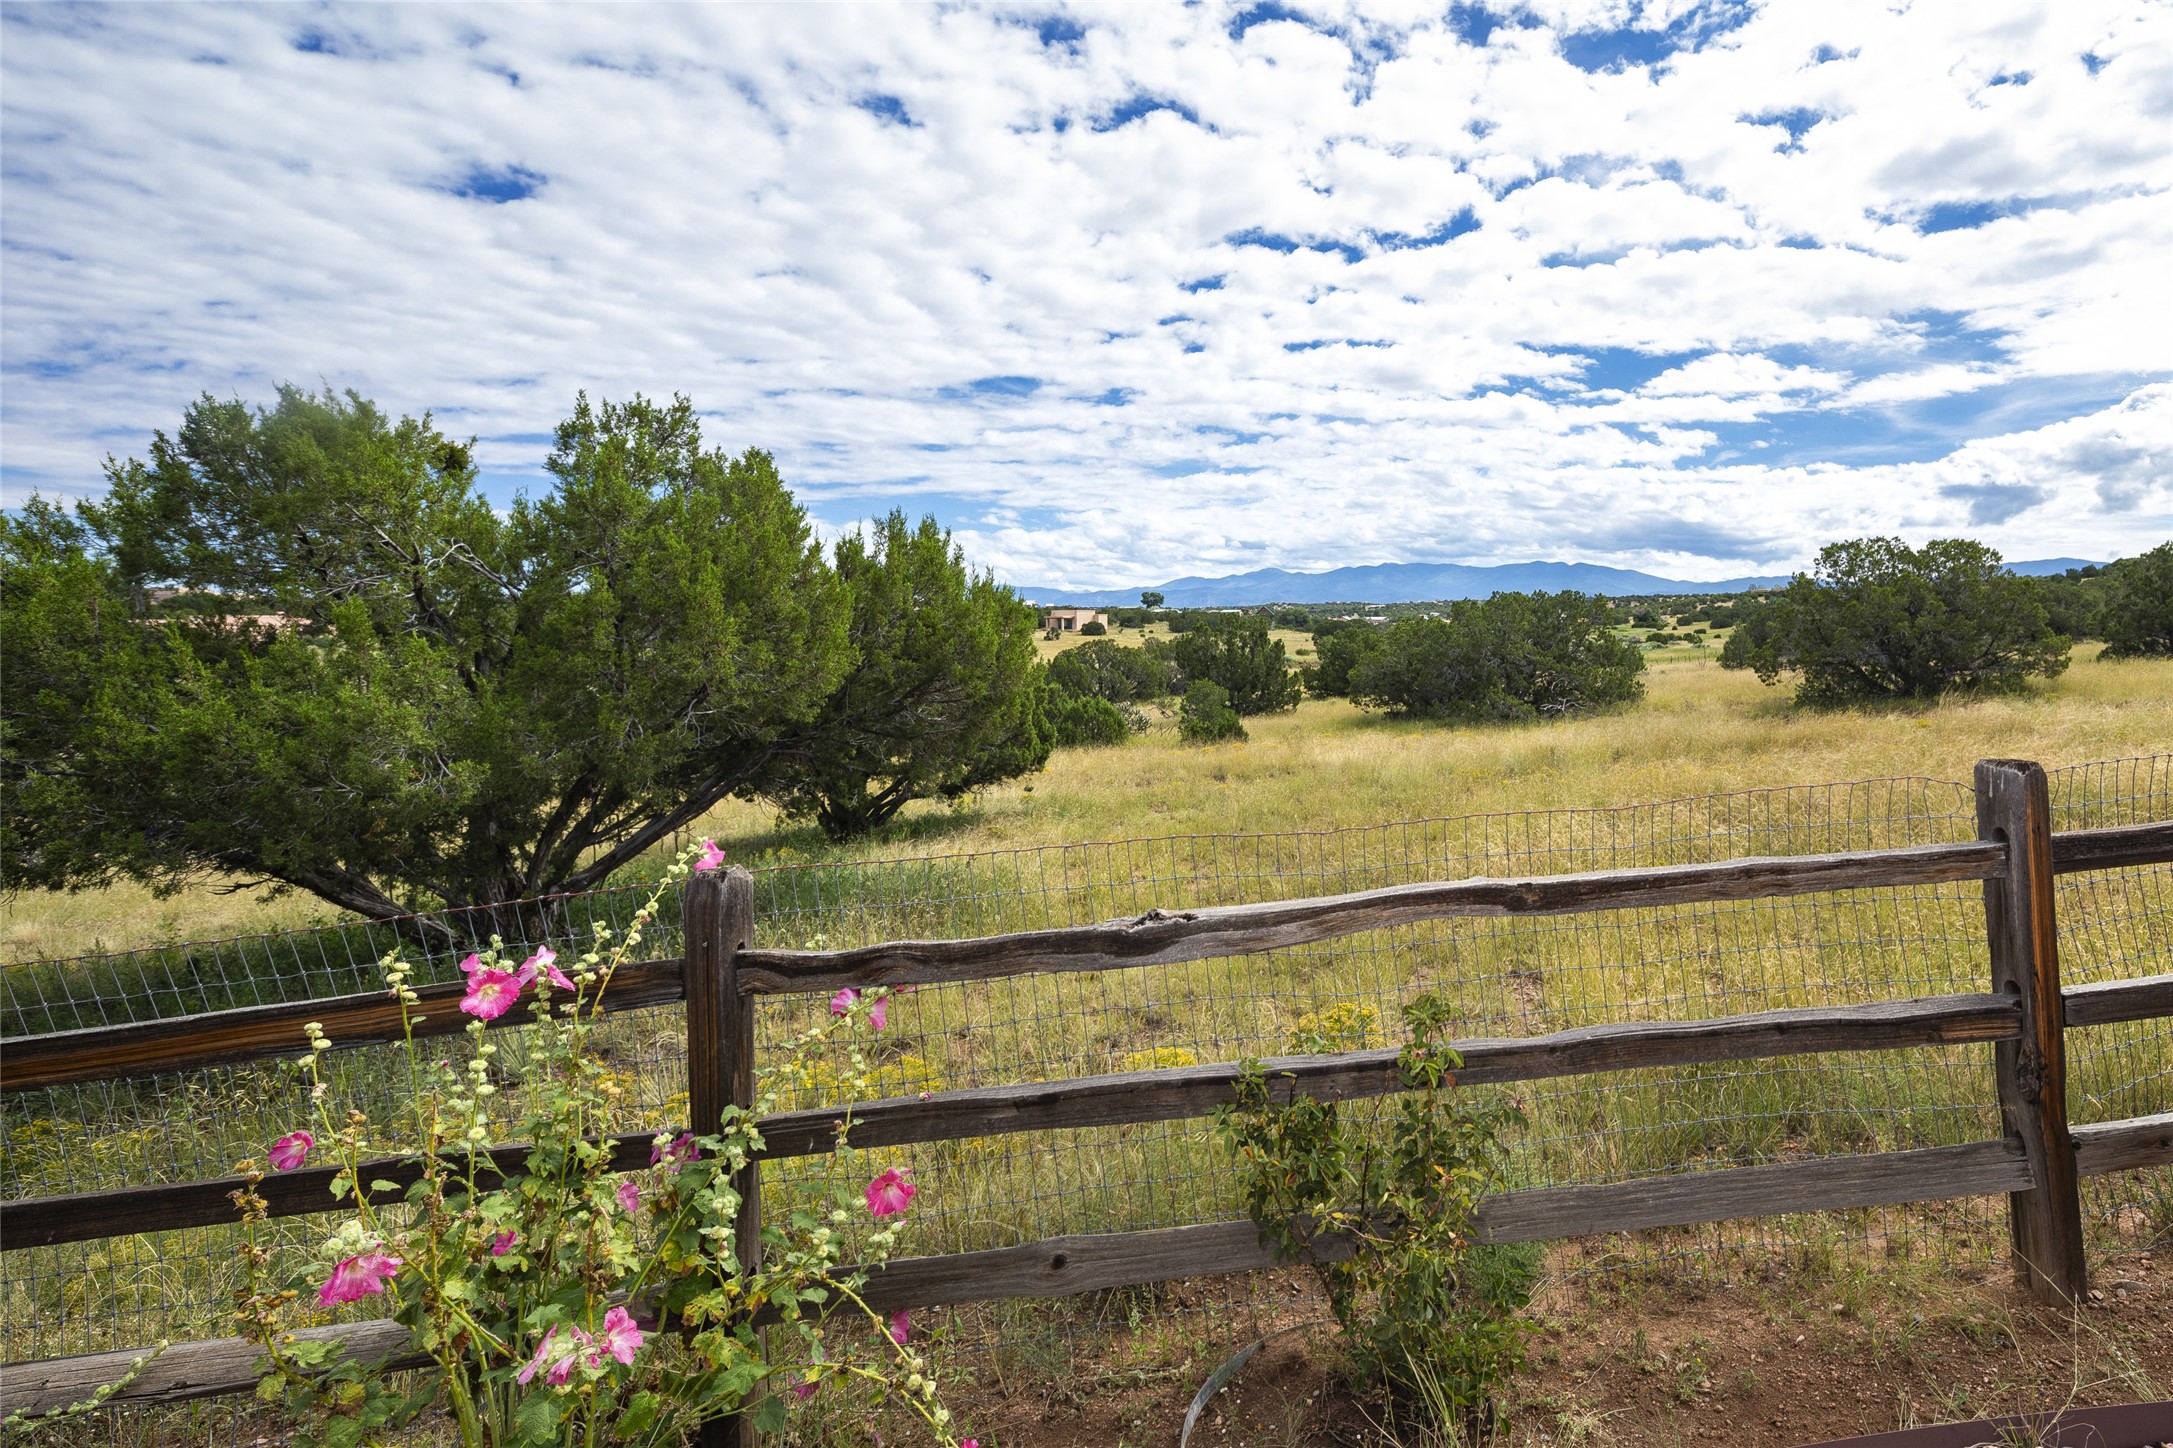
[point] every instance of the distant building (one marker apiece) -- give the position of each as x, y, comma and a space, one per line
1071, 620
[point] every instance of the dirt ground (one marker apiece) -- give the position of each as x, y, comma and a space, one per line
1759, 1366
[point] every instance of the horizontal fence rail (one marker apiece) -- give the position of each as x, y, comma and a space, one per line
257, 1033
2024, 1018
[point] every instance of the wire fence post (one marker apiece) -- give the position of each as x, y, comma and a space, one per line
719, 920
2044, 1223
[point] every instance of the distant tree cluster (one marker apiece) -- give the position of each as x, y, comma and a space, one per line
1508, 657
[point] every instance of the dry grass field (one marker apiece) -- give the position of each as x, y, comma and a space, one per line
1699, 730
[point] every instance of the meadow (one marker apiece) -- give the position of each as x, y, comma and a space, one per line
1314, 802
1699, 730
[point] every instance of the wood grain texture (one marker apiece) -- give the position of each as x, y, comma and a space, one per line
2109, 1146
2103, 1002
2112, 847
185, 1370
1161, 937
126, 1211
261, 1033
2014, 807
1059, 1266
1164, 1095
1111, 1100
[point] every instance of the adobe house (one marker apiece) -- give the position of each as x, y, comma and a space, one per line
1071, 620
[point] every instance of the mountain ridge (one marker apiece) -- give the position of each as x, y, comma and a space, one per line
1428, 583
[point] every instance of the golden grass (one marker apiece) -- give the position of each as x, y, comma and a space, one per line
1699, 730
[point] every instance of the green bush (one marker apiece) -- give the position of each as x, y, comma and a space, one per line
1237, 653
1108, 670
1512, 656
1427, 1314
1881, 620
1206, 715
1339, 645
1093, 630
2137, 617
1082, 719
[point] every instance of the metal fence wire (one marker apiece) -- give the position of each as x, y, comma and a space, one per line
1507, 977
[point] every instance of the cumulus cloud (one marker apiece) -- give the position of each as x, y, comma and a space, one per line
1132, 291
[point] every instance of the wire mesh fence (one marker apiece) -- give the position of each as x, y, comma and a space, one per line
1507, 976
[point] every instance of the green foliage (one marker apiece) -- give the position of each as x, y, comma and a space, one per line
449, 705
1510, 657
1339, 645
1149, 598
1882, 620
1106, 670
1082, 719
1237, 653
526, 1289
1435, 1319
1093, 629
2137, 619
943, 698
1206, 716
2073, 606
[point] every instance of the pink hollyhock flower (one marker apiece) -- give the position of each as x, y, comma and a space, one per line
468, 966
556, 1363
710, 857
629, 1196
890, 1194
805, 1390
843, 1001
491, 993
621, 1337
503, 1243
879, 1013
672, 1153
291, 1150
540, 962
356, 1278
901, 1327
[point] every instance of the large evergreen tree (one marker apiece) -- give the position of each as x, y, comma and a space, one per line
297, 645
1878, 619
945, 695
1511, 656
2136, 617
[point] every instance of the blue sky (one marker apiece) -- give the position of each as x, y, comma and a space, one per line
1126, 292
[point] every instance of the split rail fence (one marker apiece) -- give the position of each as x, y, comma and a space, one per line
2024, 1011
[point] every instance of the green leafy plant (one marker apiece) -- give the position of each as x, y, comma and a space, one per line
564, 1300
1514, 656
1206, 716
2137, 615
1384, 1220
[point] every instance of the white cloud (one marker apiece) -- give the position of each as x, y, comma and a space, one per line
1697, 314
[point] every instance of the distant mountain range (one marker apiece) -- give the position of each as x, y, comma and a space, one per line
1424, 583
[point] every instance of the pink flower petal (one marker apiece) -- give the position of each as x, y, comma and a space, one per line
890, 1194
879, 1013
622, 1337
710, 857
360, 1276
491, 993
843, 1001
901, 1327
291, 1150
468, 966
541, 962
629, 1196
503, 1243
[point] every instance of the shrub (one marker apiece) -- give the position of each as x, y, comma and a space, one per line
2138, 609
1093, 629
1339, 646
1512, 656
1882, 620
1206, 715
1237, 654
1105, 669
1427, 1314
1082, 719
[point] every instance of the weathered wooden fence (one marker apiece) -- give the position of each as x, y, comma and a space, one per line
2024, 1011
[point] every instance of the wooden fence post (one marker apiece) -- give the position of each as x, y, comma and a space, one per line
2014, 806
719, 918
